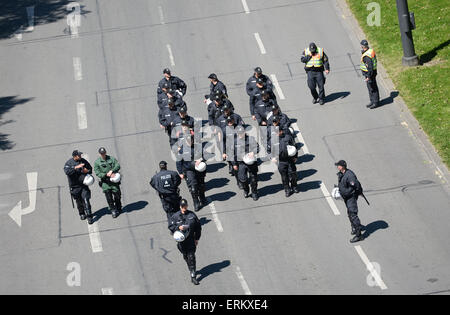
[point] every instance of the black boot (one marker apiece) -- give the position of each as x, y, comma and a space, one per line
115, 213
288, 191
196, 201
358, 237
254, 185
194, 278
202, 198
82, 216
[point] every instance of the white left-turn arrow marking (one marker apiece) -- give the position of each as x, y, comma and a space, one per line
17, 212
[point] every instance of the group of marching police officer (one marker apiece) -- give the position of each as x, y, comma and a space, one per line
238, 147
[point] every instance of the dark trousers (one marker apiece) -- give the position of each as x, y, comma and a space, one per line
170, 204
316, 78
352, 211
374, 94
113, 200
248, 175
188, 255
288, 172
82, 196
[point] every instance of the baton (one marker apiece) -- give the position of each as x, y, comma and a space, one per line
365, 199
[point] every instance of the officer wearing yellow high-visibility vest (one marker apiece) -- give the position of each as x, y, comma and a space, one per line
316, 62
369, 70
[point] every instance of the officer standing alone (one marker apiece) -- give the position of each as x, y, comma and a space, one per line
316, 61
188, 224
349, 189
76, 170
106, 168
166, 184
369, 70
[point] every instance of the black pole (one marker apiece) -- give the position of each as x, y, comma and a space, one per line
407, 24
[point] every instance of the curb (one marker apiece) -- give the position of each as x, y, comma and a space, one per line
356, 34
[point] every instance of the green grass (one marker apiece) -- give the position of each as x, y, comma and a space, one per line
425, 88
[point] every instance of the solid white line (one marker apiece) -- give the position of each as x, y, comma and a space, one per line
260, 44
370, 267
245, 5
244, 284
300, 138
94, 236
329, 199
161, 15
77, 71
277, 86
82, 116
107, 291
215, 216
172, 60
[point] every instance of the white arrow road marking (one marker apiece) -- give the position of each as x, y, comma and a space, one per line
17, 212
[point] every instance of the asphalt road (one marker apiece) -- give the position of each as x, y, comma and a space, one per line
277, 245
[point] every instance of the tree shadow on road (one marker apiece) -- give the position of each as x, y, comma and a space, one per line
213, 268
374, 226
6, 103
14, 15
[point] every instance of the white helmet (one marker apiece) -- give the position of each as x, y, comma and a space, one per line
178, 236
115, 178
88, 180
291, 150
335, 193
200, 167
249, 159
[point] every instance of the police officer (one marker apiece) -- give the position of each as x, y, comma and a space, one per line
316, 61
251, 82
228, 125
247, 171
285, 121
228, 111
167, 183
216, 86
349, 189
262, 106
175, 83
177, 125
106, 167
76, 169
286, 163
215, 108
188, 223
189, 156
368, 67
259, 92
167, 116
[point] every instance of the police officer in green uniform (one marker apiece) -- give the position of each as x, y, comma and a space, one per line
368, 67
106, 168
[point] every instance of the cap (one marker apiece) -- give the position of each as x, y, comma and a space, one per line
182, 109
230, 119
274, 106
227, 105
341, 163
165, 85
258, 70
163, 164
312, 47
77, 153
166, 70
364, 43
276, 119
102, 150
183, 203
212, 76
259, 81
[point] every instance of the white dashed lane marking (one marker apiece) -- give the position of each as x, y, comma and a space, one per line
370, 268
77, 71
245, 5
172, 60
244, 284
82, 115
260, 44
274, 79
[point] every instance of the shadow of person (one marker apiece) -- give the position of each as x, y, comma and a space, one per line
389, 99
213, 268
309, 185
135, 206
204, 221
96, 216
334, 96
264, 177
306, 173
373, 227
269, 190
211, 168
305, 158
216, 183
224, 196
